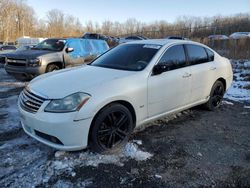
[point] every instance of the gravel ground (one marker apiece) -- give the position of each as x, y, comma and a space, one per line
195, 148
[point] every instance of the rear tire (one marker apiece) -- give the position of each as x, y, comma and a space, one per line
111, 129
216, 96
52, 67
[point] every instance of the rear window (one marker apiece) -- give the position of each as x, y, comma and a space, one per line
196, 54
131, 57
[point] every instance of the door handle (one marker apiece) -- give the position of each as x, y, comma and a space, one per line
212, 68
186, 75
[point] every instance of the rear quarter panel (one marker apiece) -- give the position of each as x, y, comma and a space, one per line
224, 70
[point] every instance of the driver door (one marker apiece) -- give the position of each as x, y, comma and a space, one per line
75, 57
170, 89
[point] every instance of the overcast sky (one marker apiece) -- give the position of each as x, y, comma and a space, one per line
142, 10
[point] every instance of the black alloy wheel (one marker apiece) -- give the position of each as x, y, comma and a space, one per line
216, 96
111, 128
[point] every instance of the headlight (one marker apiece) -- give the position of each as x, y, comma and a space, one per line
70, 103
35, 62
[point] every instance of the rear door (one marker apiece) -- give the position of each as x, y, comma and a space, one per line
172, 88
88, 54
202, 70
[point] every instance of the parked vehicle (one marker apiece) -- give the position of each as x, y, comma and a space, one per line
217, 37
99, 105
28, 41
4, 50
239, 35
176, 37
131, 38
4, 55
111, 41
53, 54
7, 48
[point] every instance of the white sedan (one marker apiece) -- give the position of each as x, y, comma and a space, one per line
98, 105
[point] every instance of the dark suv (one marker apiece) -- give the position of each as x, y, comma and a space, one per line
53, 54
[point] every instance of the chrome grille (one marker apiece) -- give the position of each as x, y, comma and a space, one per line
30, 102
16, 62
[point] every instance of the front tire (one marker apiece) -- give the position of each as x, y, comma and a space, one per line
216, 96
111, 128
52, 67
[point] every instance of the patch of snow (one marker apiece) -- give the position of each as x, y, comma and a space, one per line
158, 176
9, 113
131, 150
63, 184
247, 64
237, 91
68, 160
8, 82
85, 183
59, 154
138, 142
246, 106
94, 159
227, 102
58, 165
199, 154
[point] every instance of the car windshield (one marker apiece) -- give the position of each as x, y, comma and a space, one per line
51, 44
131, 57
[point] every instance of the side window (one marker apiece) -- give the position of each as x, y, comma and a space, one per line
174, 58
210, 55
196, 54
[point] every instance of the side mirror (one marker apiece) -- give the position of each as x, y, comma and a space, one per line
159, 68
68, 50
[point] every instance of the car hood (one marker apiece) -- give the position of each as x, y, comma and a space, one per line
62, 83
28, 54
5, 52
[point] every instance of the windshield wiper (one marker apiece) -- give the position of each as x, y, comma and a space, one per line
113, 67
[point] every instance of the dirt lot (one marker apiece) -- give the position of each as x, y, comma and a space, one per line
195, 148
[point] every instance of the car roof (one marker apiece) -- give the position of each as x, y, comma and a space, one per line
163, 42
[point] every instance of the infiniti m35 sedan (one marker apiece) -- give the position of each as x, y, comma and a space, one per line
98, 105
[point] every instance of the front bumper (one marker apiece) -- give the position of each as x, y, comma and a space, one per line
24, 71
58, 130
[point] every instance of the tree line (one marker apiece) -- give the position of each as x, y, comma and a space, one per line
18, 19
